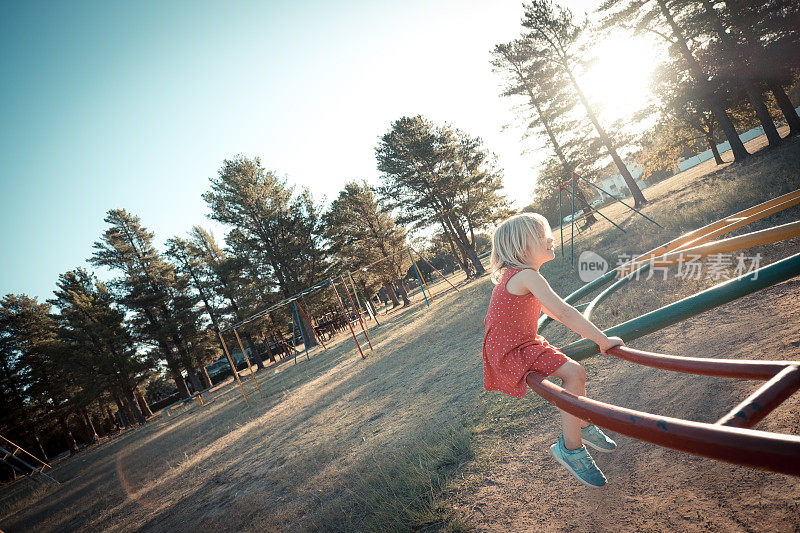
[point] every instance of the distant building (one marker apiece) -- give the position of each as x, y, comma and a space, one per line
616, 184
689, 162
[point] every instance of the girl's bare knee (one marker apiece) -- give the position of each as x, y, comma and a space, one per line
571, 371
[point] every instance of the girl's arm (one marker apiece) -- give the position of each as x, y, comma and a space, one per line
563, 312
549, 313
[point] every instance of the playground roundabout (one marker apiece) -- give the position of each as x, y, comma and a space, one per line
727, 439
735, 331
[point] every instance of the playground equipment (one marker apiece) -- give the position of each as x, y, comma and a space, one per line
729, 439
350, 304
589, 210
14, 461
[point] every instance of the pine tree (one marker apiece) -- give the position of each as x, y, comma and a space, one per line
31, 342
361, 234
95, 341
769, 32
146, 287
551, 104
657, 17
440, 175
275, 231
555, 37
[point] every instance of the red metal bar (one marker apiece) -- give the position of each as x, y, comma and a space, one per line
748, 447
347, 319
722, 368
358, 313
762, 402
314, 331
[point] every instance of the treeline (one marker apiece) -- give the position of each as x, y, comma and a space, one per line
91, 358
728, 66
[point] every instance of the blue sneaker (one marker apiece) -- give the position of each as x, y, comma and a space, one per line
579, 463
594, 437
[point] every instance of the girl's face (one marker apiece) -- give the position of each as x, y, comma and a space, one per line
539, 255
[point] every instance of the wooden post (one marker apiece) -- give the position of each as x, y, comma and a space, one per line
233, 367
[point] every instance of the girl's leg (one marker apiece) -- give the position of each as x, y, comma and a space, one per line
573, 378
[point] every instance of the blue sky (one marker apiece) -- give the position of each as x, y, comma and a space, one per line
135, 105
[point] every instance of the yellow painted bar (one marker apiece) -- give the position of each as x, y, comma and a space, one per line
695, 236
27, 453
233, 367
757, 238
249, 366
742, 221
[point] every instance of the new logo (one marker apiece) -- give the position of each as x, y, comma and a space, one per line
591, 266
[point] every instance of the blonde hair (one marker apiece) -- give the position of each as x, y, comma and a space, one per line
512, 238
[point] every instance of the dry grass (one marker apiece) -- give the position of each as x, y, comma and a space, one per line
341, 444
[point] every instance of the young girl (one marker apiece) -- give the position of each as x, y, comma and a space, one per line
512, 349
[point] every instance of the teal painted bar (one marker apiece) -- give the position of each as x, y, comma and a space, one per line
611, 289
544, 320
692, 305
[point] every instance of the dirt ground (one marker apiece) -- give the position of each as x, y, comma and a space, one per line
651, 488
294, 460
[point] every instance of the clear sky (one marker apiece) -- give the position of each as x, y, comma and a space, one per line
135, 104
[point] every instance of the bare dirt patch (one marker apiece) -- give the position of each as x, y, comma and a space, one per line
302, 458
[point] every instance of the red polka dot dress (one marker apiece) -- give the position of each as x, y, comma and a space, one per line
511, 347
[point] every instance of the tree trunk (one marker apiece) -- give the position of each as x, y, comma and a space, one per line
737, 147
786, 107
401, 290
568, 167
753, 94
131, 407
590, 219
269, 350
142, 402
713, 146
39, 445
367, 297
248, 342
112, 420
308, 329
124, 421
638, 198
468, 250
461, 261
177, 377
387, 286
90, 426
71, 444
83, 428
193, 379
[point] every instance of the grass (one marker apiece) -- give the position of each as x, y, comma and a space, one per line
341, 444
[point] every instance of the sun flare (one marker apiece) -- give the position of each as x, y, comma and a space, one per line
618, 81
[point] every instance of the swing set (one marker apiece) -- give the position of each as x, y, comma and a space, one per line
19, 465
570, 183
350, 301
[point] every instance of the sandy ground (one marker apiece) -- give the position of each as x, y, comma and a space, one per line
651, 488
295, 458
